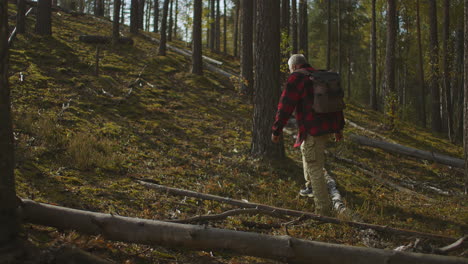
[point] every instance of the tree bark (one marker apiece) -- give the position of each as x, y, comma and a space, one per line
225, 29
135, 230
285, 17
162, 43
294, 26
176, 13
247, 48
156, 16
236, 27
329, 32
44, 17
303, 31
197, 63
122, 13
465, 63
134, 17
9, 226
373, 95
115, 24
141, 14
218, 28
339, 36
99, 11
21, 17
436, 123
213, 25
422, 85
458, 78
446, 59
390, 104
400, 149
267, 83
171, 21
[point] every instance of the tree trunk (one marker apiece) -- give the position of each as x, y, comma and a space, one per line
9, 226
285, 17
225, 29
21, 17
446, 55
329, 29
236, 28
400, 149
218, 28
465, 136
267, 83
213, 25
434, 62
99, 11
134, 17
141, 14
246, 47
156, 16
390, 104
176, 13
303, 31
197, 63
294, 26
115, 24
44, 17
162, 43
149, 7
152, 232
373, 95
122, 13
421, 69
171, 21
339, 36
459, 78
208, 29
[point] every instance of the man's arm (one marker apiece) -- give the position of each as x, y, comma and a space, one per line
287, 104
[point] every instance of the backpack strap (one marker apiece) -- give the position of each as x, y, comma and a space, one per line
303, 71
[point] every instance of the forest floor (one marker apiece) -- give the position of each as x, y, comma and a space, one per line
81, 138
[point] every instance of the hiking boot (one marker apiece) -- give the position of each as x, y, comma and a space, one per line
306, 192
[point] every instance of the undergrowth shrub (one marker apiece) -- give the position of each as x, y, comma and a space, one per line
88, 151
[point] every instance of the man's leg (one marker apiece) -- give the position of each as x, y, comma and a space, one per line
313, 156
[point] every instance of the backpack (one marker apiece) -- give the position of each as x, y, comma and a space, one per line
327, 92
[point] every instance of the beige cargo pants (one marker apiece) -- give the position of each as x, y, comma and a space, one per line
313, 157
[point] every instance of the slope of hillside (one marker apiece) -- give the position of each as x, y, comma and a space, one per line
81, 138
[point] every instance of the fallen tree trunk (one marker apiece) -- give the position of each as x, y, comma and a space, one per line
400, 149
151, 232
188, 53
96, 39
325, 219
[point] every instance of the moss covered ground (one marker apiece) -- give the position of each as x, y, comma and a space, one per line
80, 139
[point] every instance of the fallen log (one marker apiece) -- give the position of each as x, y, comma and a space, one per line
400, 149
277, 210
188, 53
151, 232
96, 39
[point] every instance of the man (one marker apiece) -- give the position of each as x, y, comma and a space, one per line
314, 130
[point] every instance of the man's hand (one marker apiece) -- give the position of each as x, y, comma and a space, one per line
338, 136
275, 139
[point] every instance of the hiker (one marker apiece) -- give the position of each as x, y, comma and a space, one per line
314, 126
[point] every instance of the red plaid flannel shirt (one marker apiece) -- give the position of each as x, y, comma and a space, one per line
297, 96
